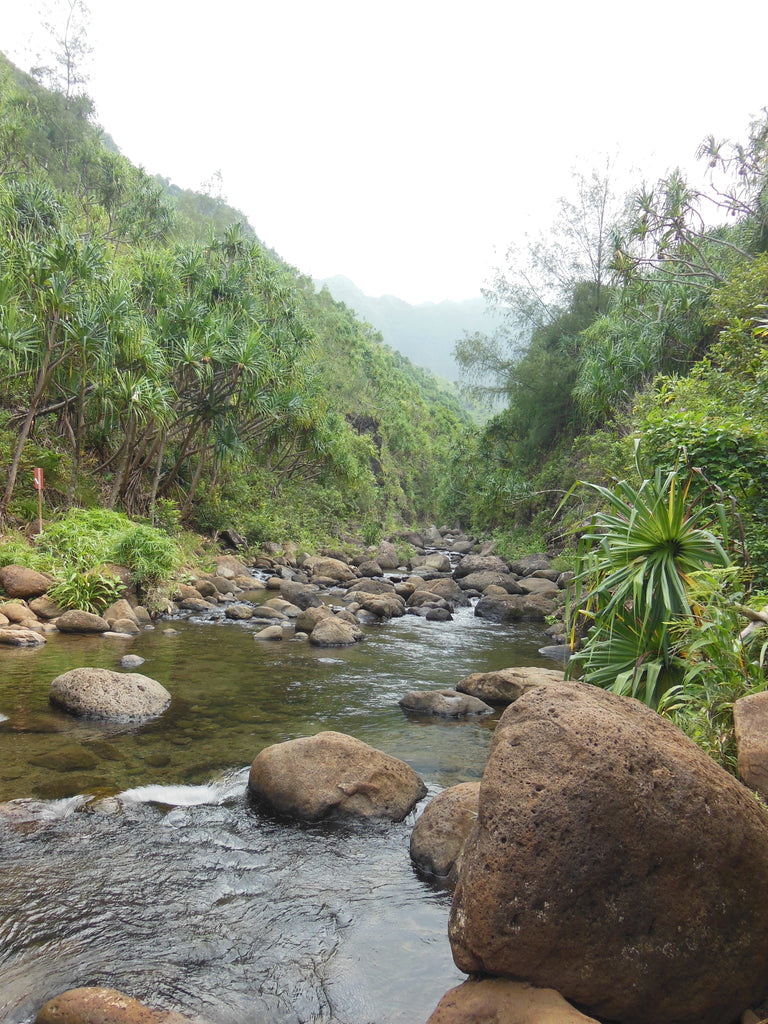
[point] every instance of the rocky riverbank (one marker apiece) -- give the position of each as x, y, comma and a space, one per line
604, 868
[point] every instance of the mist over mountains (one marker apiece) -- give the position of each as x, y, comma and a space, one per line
425, 334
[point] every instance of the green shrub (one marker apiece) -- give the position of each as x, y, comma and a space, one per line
82, 539
149, 553
720, 666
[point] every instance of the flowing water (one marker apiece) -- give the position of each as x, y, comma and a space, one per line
131, 857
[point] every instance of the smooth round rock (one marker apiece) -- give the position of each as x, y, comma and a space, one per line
102, 693
334, 775
94, 1005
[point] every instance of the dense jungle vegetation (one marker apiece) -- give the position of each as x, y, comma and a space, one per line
159, 360
159, 363
638, 318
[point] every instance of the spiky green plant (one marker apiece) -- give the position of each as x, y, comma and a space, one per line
635, 571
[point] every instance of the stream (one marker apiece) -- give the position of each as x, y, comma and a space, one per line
131, 856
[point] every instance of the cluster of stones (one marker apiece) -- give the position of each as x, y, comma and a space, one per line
603, 862
374, 586
29, 613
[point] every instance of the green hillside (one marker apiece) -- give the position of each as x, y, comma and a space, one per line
159, 359
427, 333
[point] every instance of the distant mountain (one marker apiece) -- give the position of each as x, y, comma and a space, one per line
426, 333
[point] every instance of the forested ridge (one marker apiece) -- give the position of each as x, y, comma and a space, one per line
160, 360
638, 321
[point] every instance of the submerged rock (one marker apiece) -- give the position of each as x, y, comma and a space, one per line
93, 1005
445, 703
102, 693
334, 775
613, 861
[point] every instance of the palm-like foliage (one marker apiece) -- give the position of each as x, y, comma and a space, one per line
637, 565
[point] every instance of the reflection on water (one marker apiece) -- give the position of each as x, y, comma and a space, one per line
136, 860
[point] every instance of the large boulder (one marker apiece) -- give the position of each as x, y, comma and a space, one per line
102, 693
371, 586
18, 581
442, 829
529, 564
480, 563
444, 703
309, 618
513, 607
538, 585
20, 636
334, 775
45, 607
507, 684
95, 1005
448, 589
499, 1001
482, 580
331, 631
120, 609
18, 612
331, 568
386, 555
300, 594
227, 566
435, 561
613, 861
76, 621
383, 606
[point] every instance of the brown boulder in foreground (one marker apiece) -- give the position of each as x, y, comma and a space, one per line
614, 862
102, 1006
334, 775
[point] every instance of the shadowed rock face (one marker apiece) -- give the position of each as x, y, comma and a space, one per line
334, 775
615, 863
440, 833
102, 693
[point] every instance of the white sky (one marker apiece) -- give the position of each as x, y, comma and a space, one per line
406, 143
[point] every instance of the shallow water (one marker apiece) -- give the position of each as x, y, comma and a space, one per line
180, 892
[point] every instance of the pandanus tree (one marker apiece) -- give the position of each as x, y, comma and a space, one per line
50, 280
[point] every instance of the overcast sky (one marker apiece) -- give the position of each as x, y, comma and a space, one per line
406, 143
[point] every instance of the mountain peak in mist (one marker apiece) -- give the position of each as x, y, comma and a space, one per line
426, 333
